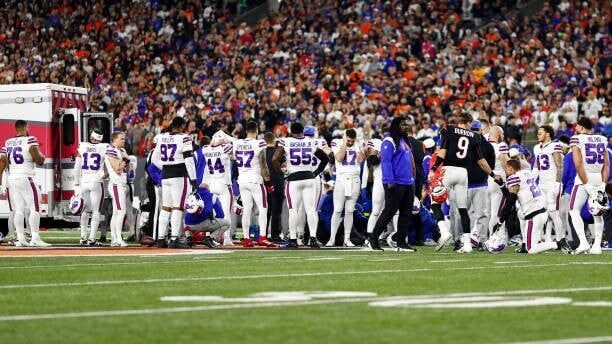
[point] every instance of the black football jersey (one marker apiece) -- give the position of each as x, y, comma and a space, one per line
459, 143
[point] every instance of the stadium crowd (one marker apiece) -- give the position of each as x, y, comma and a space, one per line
344, 64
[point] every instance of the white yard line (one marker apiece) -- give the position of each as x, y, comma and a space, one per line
324, 258
265, 276
511, 262
89, 314
447, 261
384, 260
583, 340
593, 303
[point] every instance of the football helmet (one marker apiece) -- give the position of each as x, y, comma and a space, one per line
194, 204
496, 243
416, 206
439, 194
598, 204
76, 205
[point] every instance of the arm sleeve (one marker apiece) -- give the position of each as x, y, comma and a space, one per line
191, 169
365, 175
323, 160
218, 209
386, 162
78, 165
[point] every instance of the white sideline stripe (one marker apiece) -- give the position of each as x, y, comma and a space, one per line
246, 277
22, 317
447, 261
178, 253
384, 260
570, 340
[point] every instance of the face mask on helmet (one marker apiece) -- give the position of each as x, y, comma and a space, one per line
194, 204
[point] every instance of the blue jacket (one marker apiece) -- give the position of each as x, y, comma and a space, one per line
396, 162
212, 209
155, 174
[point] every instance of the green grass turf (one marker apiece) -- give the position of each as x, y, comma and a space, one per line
357, 322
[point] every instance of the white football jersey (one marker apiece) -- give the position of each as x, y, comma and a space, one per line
530, 195
300, 153
544, 167
349, 165
171, 148
218, 163
593, 149
500, 148
92, 161
376, 145
20, 160
246, 153
113, 152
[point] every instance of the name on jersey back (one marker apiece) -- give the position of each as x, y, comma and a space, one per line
464, 132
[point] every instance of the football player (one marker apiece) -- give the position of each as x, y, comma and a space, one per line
89, 165
208, 217
548, 168
457, 141
592, 169
349, 156
310, 133
252, 172
300, 188
496, 138
522, 188
21, 156
175, 150
118, 165
213, 168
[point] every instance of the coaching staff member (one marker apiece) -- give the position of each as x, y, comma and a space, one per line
398, 172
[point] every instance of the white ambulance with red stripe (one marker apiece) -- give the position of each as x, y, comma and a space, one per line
57, 117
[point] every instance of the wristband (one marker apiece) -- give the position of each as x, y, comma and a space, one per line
492, 175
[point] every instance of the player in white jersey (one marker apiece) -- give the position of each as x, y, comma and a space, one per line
548, 169
591, 161
117, 165
373, 148
175, 151
496, 138
349, 156
213, 162
89, 166
250, 158
300, 189
522, 187
310, 133
21, 155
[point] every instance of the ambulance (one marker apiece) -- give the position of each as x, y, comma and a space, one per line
57, 116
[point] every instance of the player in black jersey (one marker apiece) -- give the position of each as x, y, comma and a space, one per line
457, 142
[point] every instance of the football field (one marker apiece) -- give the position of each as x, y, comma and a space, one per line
304, 296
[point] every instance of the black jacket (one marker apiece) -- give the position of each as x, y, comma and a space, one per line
475, 174
418, 153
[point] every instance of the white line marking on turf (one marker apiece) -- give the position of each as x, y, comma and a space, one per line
593, 303
583, 340
512, 262
177, 253
9, 318
265, 276
324, 258
384, 260
447, 261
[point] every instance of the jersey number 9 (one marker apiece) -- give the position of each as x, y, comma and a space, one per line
462, 147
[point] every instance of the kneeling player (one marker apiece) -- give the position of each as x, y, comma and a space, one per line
205, 214
523, 188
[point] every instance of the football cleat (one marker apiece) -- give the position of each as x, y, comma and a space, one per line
93, 243
21, 243
465, 249
247, 242
582, 248
330, 243
372, 245
291, 243
348, 243
564, 246
263, 241
162, 243
314, 243
83, 242
522, 249
444, 240
177, 244
39, 243
209, 242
